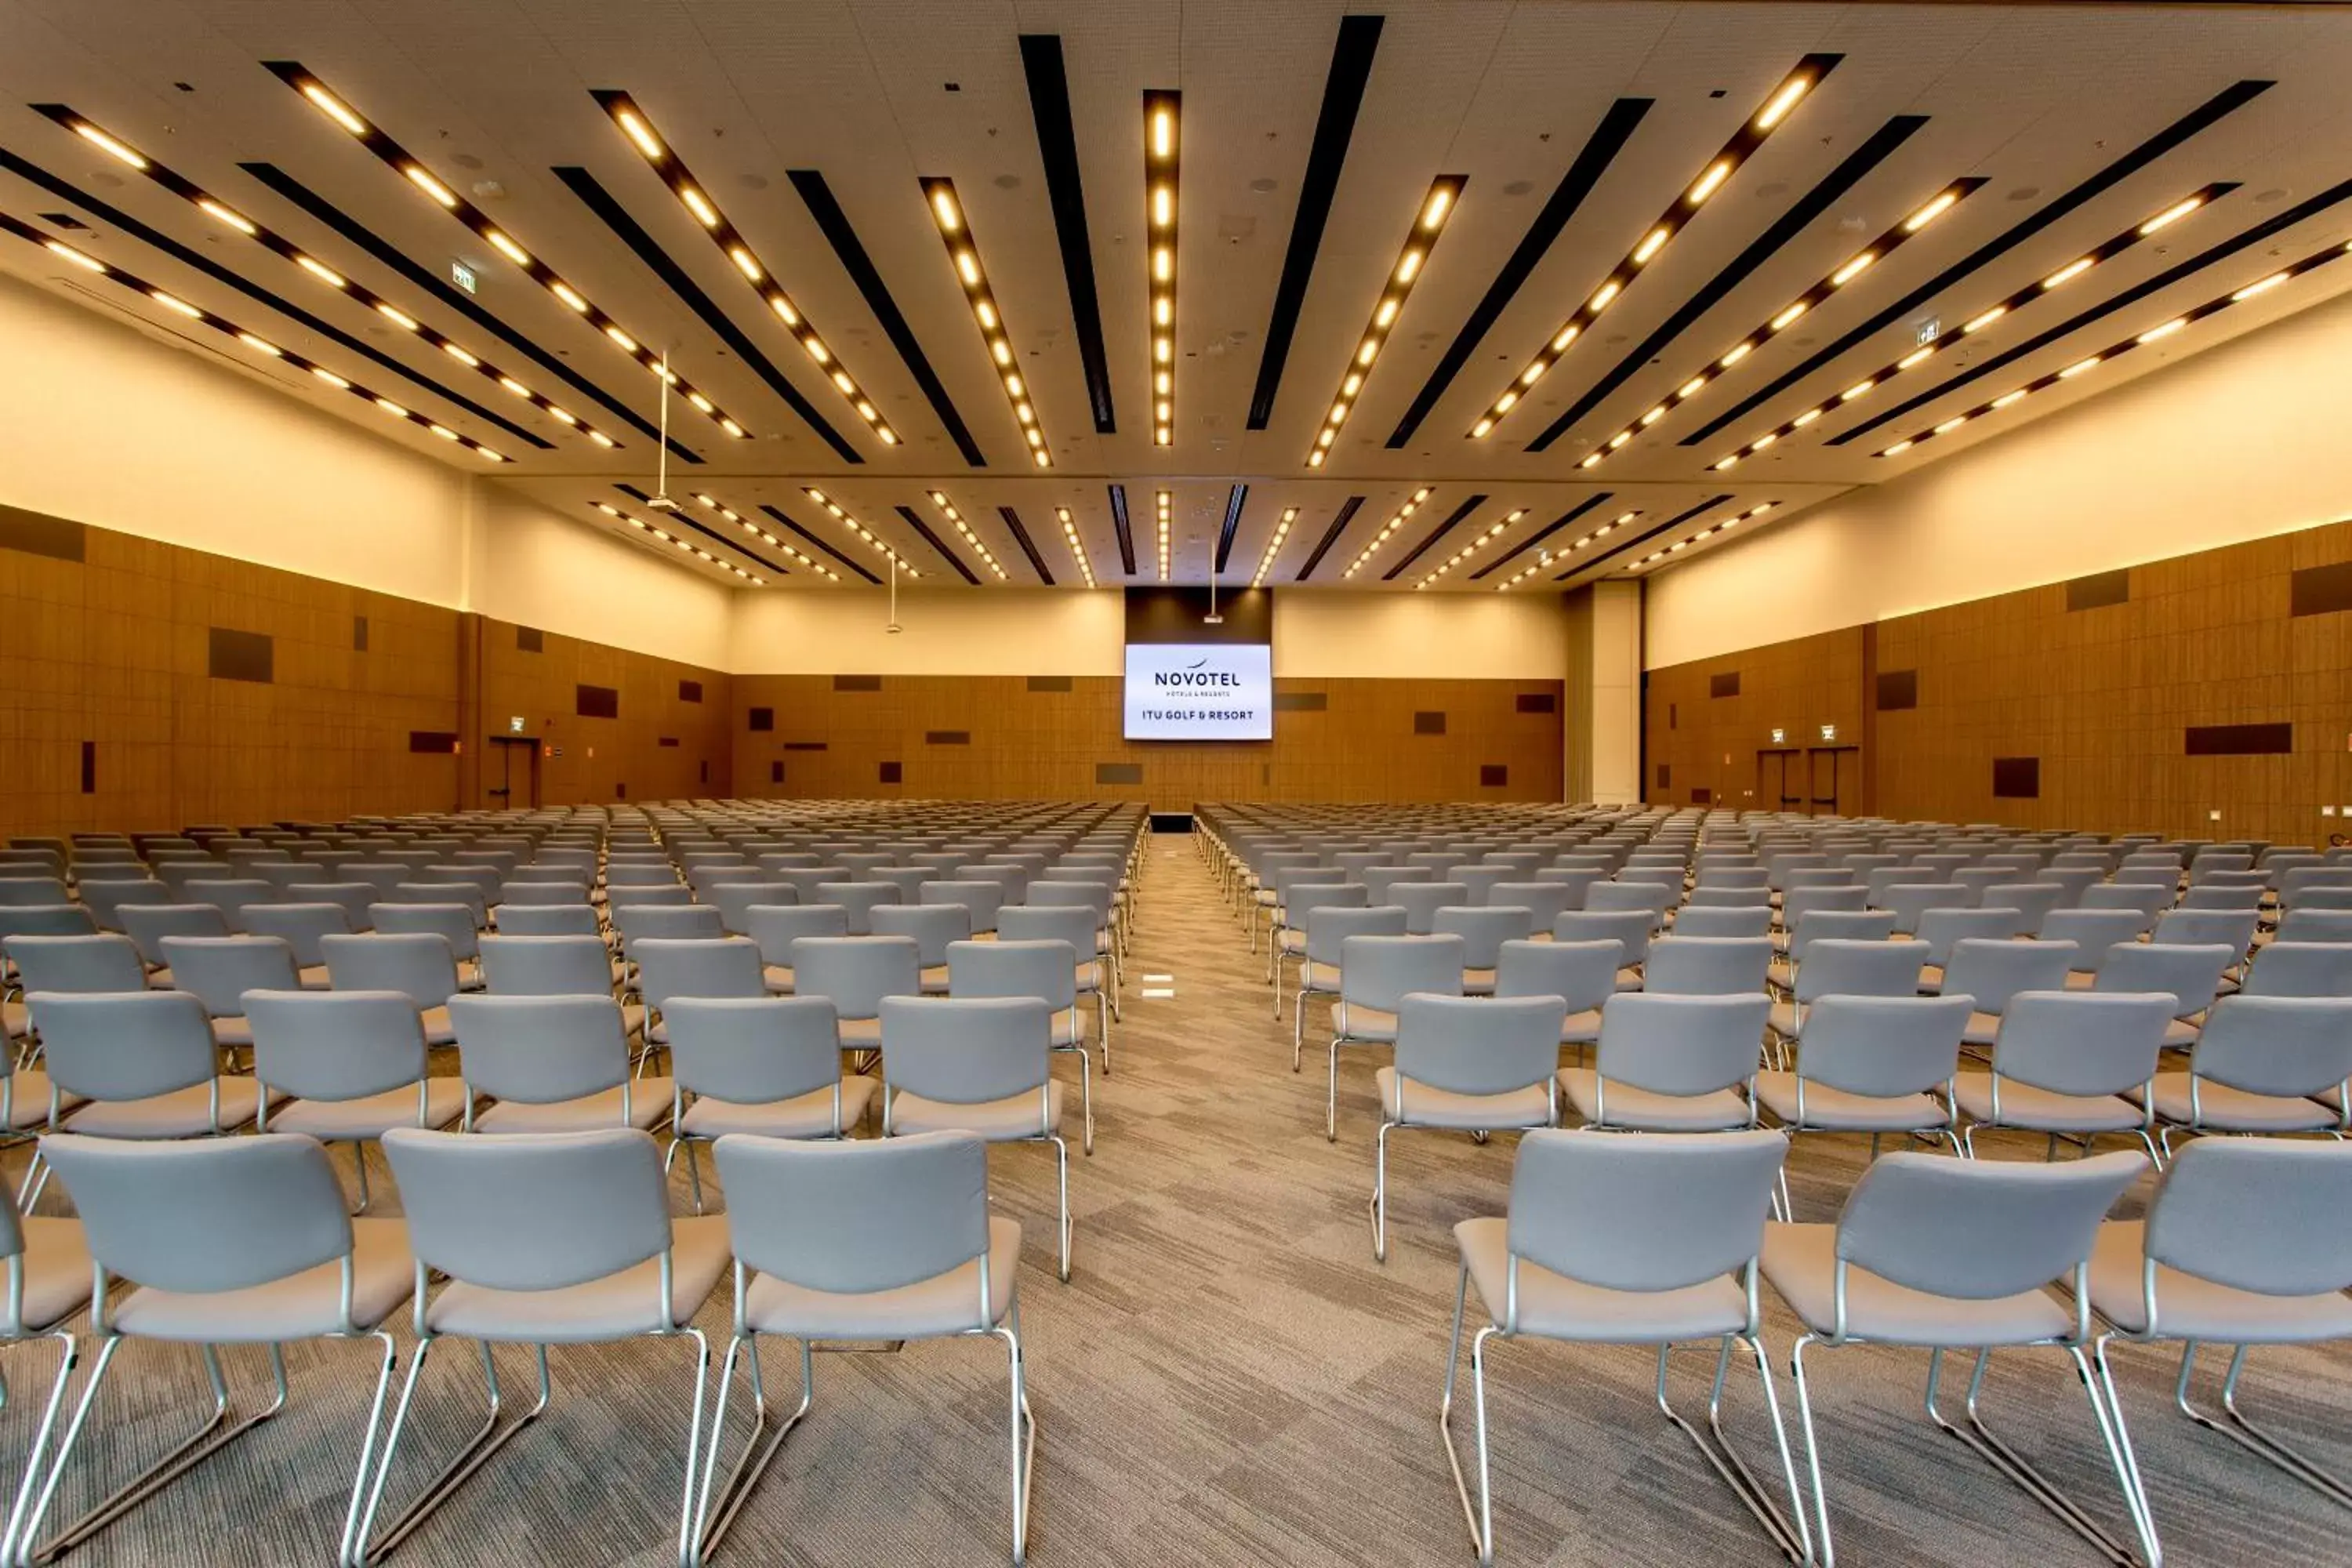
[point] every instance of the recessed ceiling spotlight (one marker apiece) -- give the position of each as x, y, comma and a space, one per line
1428, 224
1162, 121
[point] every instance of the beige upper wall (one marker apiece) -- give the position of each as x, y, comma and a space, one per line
1327, 635
108, 424
2242, 441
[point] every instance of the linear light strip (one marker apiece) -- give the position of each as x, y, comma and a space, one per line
806, 562
1978, 321
987, 556
1274, 545
319, 271
394, 156
2155, 335
1855, 265
1162, 112
1444, 195
683, 546
1166, 523
253, 342
1388, 530
1467, 551
1725, 526
1077, 546
963, 250
1549, 557
1774, 112
637, 127
842, 516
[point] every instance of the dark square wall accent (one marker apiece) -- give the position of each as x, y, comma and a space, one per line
1537, 702
1118, 773
358, 634
1897, 689
89, 767
2099, 590
857, 683
667, 741
2239, 740
241, 656
893, 772
1666, 776
439, 743
775, 772
1493, 775
2317, 590
2017, 778
1702, 795
530, 639
763, 718
1051, 683
947, 737
690, 691
1428, 723
805, 745
1301, 701
37, 534
1724, 685
597, 702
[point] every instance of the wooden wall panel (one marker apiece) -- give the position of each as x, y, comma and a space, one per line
1711, 744
1027, 743
2102, 696
603, 760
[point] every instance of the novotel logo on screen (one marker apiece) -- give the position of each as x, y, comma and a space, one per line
1195, 675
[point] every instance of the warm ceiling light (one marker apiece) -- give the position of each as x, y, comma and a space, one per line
841, 515
444, 432
2069, 272
2156, 334
1949, 426
2261, 286
638, 132
505, 246
1788, 315
1601, 296
1931, 212
1783, 101
86, 263
109, 146
1717, 172
321, 272
1480, 542
1981, 322
1650, 247
462, 355
2079, 366
1737, 352
1077, 546
173, 302
1858, 389
1387, 530
1896, 450
236, 220
398, 318
1167, 519
979, 547
570, 296
1433, 211
963, 249
1160, 172
331, 379
622, 338
1274, 545
431, 186
335, 108
1807, 417
261, 345
388, 406
2172, 215
1852, 269
1445, 193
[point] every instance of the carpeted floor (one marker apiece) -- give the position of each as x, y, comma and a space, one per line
1229, 1378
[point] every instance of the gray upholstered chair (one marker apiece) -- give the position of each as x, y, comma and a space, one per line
1994, 970
1672, 1064
2301, 969
553, 1064
1046, 969
1484, 930
1834, 966
1636, 1238
1376, 973
47, 1284
2261, 1065
300, 926
452, 922
1872, 1064
519, 919
855, 973
144, 1065
768, 1065
864, 1241
1329, 928
353, 1061
934, 927
1582, 974
418, 964
1681, 965
234, 1242
1467, 1065
775, 927
698, 966
1073, 924
1958, 1255
2065, 1064
2191, 975
557, 1239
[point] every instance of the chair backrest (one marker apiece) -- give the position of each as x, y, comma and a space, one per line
19, 892
863, 1217
1707, 965
219, 970
1475, 1044
966, 1050
713, 966
662, 895
1046, 969
2232, 929
1379, 971
980, 899
125, 1045
1329, 928
452, 922
1942, 930
298, 926
1650, 898
1679, 1209
1630, 929
1980, 1229
1798, 903
1070, 923
540, 1049
1994, 970
1884, 1046
2094, 933
546, 966
2031, 900
2230, 895
1582, 974
2193, 975
106, 900
547, 920
734, 900
531, 1210
857, 899
46, 919
1836, 967
1380, 882
76, 964
857, 972
2081, 1042
1910, 901
418, 964
204, 1215
543, 888
2285, 1046
666, 922
1682, 1045
148, 924
1483, 930
2315, 926
1698, 919
2263, 1215
934, 927
335, 1045
2301, 969
775, 927
1544, 901
753, 1050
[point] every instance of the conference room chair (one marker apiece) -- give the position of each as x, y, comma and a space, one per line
1466, 1064
463, 895
1544, 901
1672, 1064
1842, 899
1669, 1256
20, 892
1630, 929
1681, 965
104, 901
859, 900
1994, 970
177, 875
1945, 930
1582, 974
2192, 976
354, 1064
1872, 1064
1479, 879
148, 924
669, 895
669, 968
1013, 880
2228, 1255
537, 887
557, 1239
2235, 896
2095, 933
2033, 902
855, 973
2301, 969
1376, 973
1728, 872
552, 1064
1823, 925
769, 1066
1652, 899
889, 1240
418, 964
1839, 966
977, 1065
1319, 975
1097, 896
237, 1242
39, 919
217, 970
934, 927
775, 927
2148, 899
1483, 931
1046, 969
231, 897
2314, 925
1575, 881
2070, 1065
1948, 1254
1748, 903
517, 919
300, 926
1910, 901
1287, 939
980, 900
1380, 882
1749, 920
47, 1284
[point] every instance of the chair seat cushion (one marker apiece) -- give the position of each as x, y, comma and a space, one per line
934, 980
1800, 1260
1322, 976
348, 1121
1580, 1028
1370, 1025
779, 979
56, 1270
1629, 980
2043, 1110
649, 1106
1627, 1106
182, 1113
1783, 1020
233, 1032
945, 1304
1477, 983
29, 1100
295, 1308
1013, 1119
1840, 1111
1981, 1029
1291, 941
861, 1034
2179, 1034
618, 1306
2227, 1110
15, 1019
2189, 1308
1423, 1105
1553, 1306
807, 1115
438, 1030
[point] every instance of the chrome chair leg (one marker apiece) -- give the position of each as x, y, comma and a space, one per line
1794, 1543
2235, 1426
1994, 1451
744, 1479
1812, 1446
367, 1446
477, 1451
1480, 1515
1024, 1443
1380, 1191
1085, 1094
48, 1428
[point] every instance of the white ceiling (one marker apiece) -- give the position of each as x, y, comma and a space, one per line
492, 94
